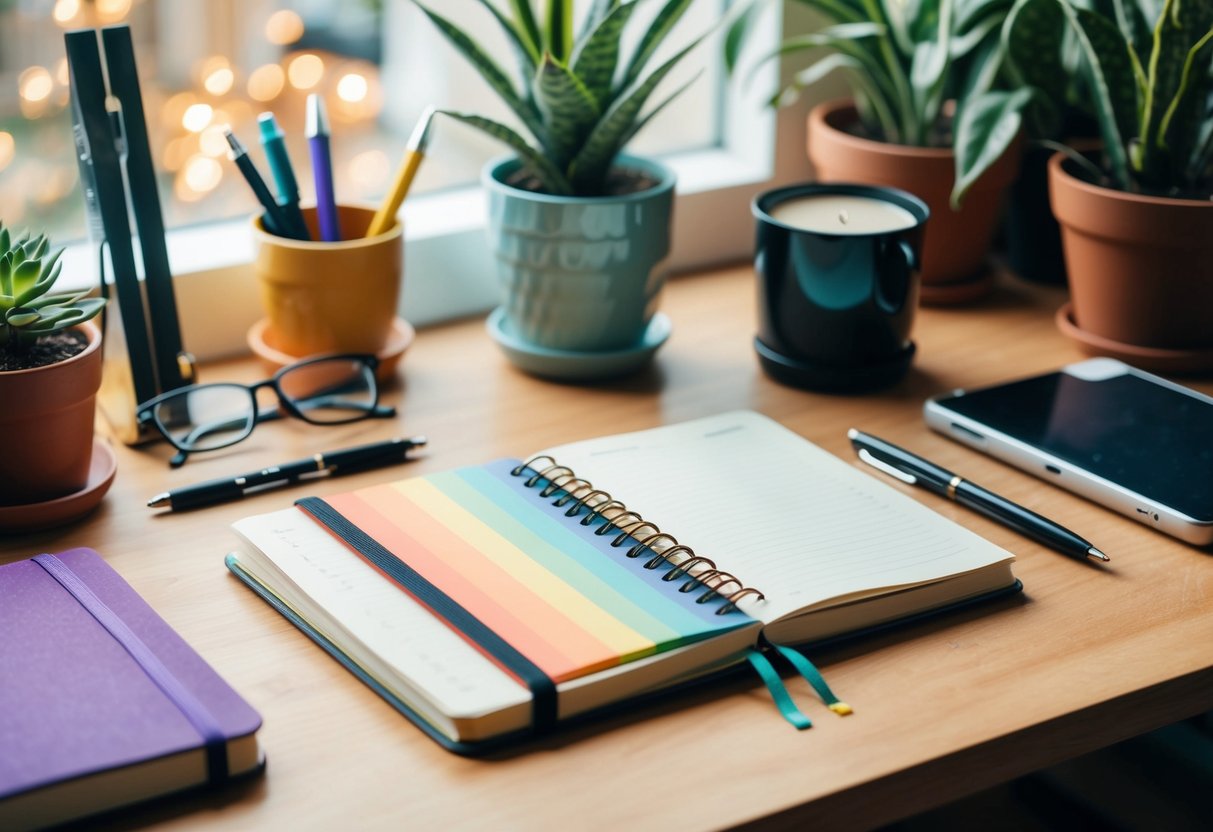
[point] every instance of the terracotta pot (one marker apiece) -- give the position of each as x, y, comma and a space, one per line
1140, 267
954, 253
47, 424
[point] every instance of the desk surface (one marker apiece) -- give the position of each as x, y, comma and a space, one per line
1085, 657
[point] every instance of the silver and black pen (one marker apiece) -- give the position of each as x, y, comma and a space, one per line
914, 470
347, 460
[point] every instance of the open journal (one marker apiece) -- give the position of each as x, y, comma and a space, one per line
491, 601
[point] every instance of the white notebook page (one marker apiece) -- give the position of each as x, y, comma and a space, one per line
783, 515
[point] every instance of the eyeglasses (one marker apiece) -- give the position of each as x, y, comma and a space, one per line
328, 390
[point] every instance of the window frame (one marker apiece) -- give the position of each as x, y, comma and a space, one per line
449, 272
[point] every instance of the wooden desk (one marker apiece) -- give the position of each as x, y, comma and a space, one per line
1086, 657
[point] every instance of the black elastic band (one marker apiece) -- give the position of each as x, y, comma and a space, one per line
542, 688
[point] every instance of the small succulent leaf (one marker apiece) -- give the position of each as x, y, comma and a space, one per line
547, 173
527, 26
569, 109
25, 276
57, 299
6, 274
559, 34
588, 169
40, 249
50, 265
660, 27
984, 132
524, 49
22, 316
1110, 83
5, 240
489, 71
596, 57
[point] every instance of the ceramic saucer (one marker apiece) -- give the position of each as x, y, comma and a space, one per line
29, 517
1146, 358
577, 366
262, 342
834, 378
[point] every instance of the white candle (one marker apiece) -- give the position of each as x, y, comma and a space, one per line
843, 214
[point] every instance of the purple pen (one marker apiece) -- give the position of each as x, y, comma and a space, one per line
317, 133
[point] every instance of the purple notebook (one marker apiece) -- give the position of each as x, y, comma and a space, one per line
101, 702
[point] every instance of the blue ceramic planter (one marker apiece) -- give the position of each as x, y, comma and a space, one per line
581, 274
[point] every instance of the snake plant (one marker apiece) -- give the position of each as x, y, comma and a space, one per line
28, 308
575, 96
909, 63
1148, 72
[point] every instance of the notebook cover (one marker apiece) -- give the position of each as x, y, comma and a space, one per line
72, 700
479, 748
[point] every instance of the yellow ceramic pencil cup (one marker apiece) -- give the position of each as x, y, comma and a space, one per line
330, 297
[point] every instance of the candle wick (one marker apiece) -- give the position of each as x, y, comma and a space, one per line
843, 216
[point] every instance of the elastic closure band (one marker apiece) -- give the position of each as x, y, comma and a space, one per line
202, 720
783, 700
541, 686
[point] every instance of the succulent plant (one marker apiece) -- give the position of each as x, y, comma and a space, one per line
570, 94
28, 308
1148, 71
922, 73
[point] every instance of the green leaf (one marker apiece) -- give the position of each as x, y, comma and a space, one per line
897, 13
965, 41
1110, 80
665, 20
57, 299
21, 316
25, 276
489, 70
527, 26
6, 274
569, 109
597, 56
589, 168
598, 11
559, 40
1156, 156
985, 131
734, 38
1131, 20
528, 52
929, 67
1032, 42
813, 73
1180, 129
843, 11
553, 180
5, 239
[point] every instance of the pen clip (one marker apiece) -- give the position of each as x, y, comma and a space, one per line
880, 464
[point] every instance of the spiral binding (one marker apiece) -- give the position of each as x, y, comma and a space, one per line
578, 494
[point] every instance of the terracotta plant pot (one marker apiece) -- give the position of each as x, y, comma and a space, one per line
954, 268
1140, 269
47, 422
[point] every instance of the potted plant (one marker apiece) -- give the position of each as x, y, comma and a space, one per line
1136, 218
50, 370
579, 230
924, 118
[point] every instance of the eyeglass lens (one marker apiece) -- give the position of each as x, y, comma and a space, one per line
207, 417
326, 392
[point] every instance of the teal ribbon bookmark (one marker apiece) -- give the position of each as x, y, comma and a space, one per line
813, 676
783, 700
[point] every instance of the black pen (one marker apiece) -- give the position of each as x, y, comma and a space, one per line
275, 220
915, 470
358, 458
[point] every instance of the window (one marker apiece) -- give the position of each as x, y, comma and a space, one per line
378, 63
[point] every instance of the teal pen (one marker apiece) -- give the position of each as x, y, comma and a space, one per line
283, 173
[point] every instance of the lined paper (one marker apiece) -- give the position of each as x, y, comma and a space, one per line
783, 515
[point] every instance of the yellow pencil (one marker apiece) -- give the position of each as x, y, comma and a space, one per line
413, 154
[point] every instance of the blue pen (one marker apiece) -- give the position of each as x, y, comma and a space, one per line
317, 133
284, 175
